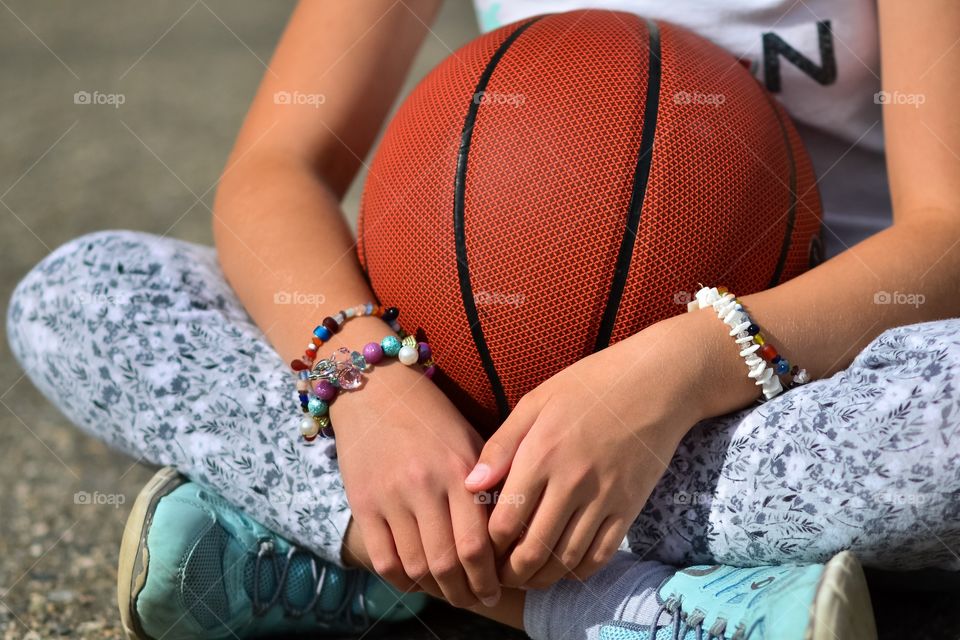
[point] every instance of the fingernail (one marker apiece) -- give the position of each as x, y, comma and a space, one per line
479, 474
491, 601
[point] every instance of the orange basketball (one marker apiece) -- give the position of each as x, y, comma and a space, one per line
563, 182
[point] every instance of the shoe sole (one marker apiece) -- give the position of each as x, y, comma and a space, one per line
841, 607
134, 555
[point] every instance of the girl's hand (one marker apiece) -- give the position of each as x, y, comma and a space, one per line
585, 449
404, 451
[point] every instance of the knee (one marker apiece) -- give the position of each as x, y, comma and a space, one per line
917, 363
56, 297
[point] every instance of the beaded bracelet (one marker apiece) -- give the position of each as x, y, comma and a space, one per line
319, 381
761, 357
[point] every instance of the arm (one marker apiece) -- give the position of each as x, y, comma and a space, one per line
279, 229
592, 483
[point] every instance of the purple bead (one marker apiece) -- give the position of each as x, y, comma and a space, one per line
424, 350
429, 371
325, 390
372, 352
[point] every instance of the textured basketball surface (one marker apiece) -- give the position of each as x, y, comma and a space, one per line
560, 183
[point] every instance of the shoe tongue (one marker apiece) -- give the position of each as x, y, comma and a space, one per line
299, 585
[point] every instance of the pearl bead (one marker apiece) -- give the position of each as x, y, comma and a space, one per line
408, 355
309, 428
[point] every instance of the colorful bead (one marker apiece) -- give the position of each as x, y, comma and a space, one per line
408, 355
782, 366
753, 329
423, 349
391, 346
390, 313
322, 332
330, 324
303, 385
768, 352
317, 406
358, 360
325, 390
372, 352
430, 371
299, 365
759, 339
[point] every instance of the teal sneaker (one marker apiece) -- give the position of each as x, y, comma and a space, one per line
193, 566
813, 602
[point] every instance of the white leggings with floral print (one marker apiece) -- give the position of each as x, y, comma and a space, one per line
164, 363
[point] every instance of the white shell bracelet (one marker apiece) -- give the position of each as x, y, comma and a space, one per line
765, 364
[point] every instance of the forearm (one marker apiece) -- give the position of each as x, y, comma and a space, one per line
822, 319
288, 253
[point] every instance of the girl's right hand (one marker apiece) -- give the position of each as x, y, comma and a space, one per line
404, 451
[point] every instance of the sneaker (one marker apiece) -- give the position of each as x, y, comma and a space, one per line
814, 602
193, 566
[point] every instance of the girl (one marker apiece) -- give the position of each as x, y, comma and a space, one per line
181, 362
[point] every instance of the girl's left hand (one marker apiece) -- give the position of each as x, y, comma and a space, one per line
582, 452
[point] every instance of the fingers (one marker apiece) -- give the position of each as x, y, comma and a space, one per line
441, 555
406, 536
514, 508
500, 449
605, 544
536, 547
474, 548
569, 550
380, 546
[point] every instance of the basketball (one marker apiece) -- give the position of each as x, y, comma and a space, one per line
561, 183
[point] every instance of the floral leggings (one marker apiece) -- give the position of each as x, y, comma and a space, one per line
141, 342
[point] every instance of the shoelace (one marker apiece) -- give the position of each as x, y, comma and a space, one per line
692, 622
354, 588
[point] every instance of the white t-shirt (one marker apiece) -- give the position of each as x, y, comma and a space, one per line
820, 58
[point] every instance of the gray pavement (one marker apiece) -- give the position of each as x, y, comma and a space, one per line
187, 70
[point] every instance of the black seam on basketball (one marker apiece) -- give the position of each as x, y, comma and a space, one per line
640, 180
459, 226
792, 211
